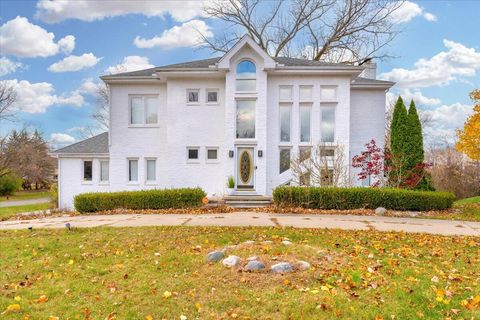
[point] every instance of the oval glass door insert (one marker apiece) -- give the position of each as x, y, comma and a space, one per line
245, 166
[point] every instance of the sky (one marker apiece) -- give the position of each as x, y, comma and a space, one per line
53, 53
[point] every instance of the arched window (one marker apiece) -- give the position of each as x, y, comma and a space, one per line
246, 76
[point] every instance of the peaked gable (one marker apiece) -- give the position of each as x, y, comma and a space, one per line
246, 40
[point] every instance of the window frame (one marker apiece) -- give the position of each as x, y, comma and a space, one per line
193, 160
193, 103
300, 99
280, 87
206, 155
207, 91
309, 106
100, 181
243, 79
83, 171
150, 182
253, 99
290, 107
334, 107
144, 123
133, 182
335, 99
280, 149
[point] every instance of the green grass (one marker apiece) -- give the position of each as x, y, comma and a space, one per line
465, 209
26, 195
468, 200
124, 272
6, 212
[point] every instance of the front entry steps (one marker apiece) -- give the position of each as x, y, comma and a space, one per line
247, 201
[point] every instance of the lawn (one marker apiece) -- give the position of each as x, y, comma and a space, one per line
7, 212
469, 200
26, 195
465, 209
160, 272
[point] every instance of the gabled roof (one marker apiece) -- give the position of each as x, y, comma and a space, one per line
361, 82
94, 145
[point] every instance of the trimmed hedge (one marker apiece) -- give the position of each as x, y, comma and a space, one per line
358, 198
138, 200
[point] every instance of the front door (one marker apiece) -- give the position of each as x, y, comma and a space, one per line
245, 168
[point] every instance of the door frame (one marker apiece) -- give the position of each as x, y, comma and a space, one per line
254, 167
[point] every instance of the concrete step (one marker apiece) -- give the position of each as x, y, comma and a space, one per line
247, 201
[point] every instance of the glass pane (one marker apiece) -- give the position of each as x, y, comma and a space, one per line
87, 170
212, 154
103, 170
285, 114
305, 153
151, 170
246, 70
246, 85
212, 96
151, 112
284, 160
327, 152
305, 124
246, 119
192, 96
285, 93
132, 170
327, 126
306, 92
326, 177
192, 153
329, 93
136, 112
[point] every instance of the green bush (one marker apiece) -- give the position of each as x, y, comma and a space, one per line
9, 183
357, 198
138, 200
54, 195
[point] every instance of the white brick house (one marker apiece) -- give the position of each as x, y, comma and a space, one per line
196, 123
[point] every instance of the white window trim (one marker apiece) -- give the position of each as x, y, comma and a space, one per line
144, 124
280, 148
193, 103
280, 142
300, 106
193, 160
206, 155
100, 181
133, 182
291, 93
83, 172
150, 182
305, 100
207, 91
334, 124
245, 140
254, 92
335, 100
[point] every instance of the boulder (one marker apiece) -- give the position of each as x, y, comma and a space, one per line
286, 242
254, 265
231, 261
302, 265
380, 211
215, 256
252, 258
281, 267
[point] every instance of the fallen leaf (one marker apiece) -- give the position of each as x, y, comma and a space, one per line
167, 294
42, 299
12, 308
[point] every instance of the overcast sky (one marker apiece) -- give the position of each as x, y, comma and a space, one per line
54, 52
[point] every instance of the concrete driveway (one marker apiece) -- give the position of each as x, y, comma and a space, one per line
346, 222
13, 203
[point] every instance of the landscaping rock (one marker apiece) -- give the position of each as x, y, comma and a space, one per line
281, 267
231, 261
215, 256
413, 214
252, 258
380, 211
286, 242
249, 242
302, 265
267, 242
254, 265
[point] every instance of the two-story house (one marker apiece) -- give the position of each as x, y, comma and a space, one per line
243, 115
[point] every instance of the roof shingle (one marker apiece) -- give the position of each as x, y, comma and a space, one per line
94, 145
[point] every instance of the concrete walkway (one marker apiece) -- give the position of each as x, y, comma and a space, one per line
13, 203
442, 227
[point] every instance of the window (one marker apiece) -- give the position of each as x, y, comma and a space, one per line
192, 95
192, 154
328, 93
327, 152
285, 93
327, 124
284, 159
285, 116
87, 170
212, 154
306, 93
326, 178
143, 110
305, 153
104, 174
151, 165
212, 96
132, 170
305, 113
246, 76
245, 119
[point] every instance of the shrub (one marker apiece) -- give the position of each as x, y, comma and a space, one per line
138, 200
54, 195
357, 198
9, 183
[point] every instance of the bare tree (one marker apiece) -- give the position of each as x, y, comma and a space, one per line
321, 165
8, 96
101, 112
323, 30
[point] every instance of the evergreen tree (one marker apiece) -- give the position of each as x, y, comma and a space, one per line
415, 153
398, 143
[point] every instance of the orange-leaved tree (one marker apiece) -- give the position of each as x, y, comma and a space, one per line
469, 137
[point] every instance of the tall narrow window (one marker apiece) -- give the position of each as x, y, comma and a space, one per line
284, 159
87, 170
136, 111
327, 124
151, 170
285, 120
246, 76
151, 110
104, 174
246, 119
132, 170
305, 114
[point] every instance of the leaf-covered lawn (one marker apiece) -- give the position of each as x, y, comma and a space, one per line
25, 195
7, 212
135, 273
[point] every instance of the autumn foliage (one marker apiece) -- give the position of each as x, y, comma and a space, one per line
469, 137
